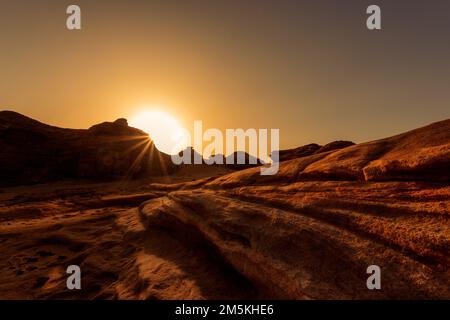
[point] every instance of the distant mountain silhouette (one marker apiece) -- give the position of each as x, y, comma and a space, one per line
33, 152
191, 154
231, 161
311, 149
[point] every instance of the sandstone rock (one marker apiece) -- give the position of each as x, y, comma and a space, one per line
421, 154
310, 231
306, 241
417, 155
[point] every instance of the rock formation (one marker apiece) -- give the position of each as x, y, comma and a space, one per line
33, 152
309, 232
311, 149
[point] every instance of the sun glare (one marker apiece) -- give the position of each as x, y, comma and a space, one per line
166, 132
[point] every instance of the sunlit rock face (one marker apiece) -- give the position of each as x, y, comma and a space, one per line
33, 152
311, 231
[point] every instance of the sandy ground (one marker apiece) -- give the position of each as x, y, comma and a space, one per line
45, 228
146, 239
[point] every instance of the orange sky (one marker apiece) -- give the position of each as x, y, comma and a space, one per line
309, 68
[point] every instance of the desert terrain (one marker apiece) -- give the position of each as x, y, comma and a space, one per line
214, 232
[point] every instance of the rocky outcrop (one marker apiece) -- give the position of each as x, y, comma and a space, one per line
312, 230
417, 155
311, 149
33, 152
299, 152
421, 154
311, 241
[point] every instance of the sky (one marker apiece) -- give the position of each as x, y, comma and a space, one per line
310, 68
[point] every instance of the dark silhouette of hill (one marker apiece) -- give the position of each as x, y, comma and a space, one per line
230, 161
34, 152
311, 149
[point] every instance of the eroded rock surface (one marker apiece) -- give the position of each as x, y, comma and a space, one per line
309, 232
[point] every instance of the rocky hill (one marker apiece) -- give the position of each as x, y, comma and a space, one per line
33, 152
312, 148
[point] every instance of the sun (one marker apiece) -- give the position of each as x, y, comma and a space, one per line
166, 131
